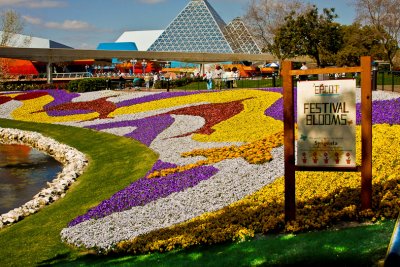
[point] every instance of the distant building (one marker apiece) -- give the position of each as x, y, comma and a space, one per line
142, 39
19, 67
20, 40
240, 38
197, 28
130, 46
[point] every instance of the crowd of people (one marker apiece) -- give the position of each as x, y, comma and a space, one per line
217, 78
222, 78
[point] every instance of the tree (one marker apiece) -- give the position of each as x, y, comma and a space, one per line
11, 25
358, 41
383, 16
265, 17
311, 34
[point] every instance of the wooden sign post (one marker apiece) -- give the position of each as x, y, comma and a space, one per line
289, 132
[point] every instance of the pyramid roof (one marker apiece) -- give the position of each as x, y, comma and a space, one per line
197, 28
240, 38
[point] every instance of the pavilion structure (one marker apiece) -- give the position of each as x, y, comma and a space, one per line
240, 38
199, 28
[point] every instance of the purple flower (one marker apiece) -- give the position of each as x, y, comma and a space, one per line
276, 109
147, 129
384, 111
61, 97
145, 190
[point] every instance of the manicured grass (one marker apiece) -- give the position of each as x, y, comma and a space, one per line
264, 83
357, 246
115, 162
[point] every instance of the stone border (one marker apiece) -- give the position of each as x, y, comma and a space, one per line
74, 163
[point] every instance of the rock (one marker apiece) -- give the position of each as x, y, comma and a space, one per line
74, 164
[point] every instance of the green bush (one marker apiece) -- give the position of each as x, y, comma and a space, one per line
87, 85
73, 86
27, 86
162, 84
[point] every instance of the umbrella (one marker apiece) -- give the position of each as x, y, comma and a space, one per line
273, 65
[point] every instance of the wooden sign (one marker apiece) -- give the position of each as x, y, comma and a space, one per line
333, 111
326, 119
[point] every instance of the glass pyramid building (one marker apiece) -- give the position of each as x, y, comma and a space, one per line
199, 28
240, 38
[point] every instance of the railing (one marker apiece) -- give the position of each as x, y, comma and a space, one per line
68, 75
254, 82
41, 76
388, 80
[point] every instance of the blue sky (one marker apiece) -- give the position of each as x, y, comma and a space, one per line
85, 23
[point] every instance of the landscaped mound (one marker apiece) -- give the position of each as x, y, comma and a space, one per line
219, 174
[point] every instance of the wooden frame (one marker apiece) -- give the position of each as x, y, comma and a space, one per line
289, 134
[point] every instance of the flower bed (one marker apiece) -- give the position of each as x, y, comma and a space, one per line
219, 175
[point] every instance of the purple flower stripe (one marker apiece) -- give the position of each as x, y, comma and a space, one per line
60, 97
147, 129
276, 109
145, 190
155, 97
384, 111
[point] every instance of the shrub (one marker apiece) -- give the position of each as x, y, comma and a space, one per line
27, 86
87, 85
73, 86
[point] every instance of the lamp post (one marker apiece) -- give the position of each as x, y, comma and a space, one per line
144, 64
133, 62
374, 75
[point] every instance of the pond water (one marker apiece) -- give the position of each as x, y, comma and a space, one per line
24, 171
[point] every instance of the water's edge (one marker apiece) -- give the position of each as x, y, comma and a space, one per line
24, 171
74, 163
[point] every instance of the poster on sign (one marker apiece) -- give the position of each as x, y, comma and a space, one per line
326, 118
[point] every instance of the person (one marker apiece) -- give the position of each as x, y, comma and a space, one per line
228, 77
108, 84
218, 77
208, 77
303, 67
236, 76
147, 81
121, 83
155, 79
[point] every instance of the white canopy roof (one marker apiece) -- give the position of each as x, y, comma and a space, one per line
142, 39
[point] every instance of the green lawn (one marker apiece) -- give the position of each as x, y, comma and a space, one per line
264, 83
358, 246
114, 163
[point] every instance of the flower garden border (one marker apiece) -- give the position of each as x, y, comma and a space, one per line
289, 133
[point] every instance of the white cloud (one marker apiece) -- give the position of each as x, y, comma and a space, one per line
69, 25
32, 20
151, 2
72, 25
33, 3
